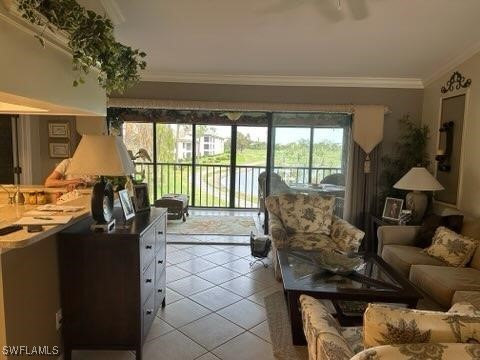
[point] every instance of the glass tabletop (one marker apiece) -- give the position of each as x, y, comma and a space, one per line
300, 273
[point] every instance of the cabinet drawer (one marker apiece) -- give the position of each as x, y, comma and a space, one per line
160, 289
159, 266
148, 280
160, 234
148, 314
147, 247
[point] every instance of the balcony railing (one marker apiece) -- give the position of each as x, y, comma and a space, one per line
212, 183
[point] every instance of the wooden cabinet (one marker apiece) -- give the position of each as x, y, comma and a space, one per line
112, 284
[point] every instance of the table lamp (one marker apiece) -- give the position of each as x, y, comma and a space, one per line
417, 179
102, 155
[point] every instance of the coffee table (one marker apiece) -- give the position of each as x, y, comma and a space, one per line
373, 281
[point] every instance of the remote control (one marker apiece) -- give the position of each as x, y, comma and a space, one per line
9, 229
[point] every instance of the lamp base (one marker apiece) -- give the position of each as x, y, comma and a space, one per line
103, 227
417, 201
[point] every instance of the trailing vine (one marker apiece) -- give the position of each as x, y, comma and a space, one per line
90, 39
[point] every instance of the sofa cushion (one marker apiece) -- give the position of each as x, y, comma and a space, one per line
402, 257
452, 248
306, 213
472, 297
441, 282
464, 308
302, 241
387, 325
345, 236
430, 224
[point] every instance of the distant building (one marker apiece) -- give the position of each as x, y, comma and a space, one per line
208, 144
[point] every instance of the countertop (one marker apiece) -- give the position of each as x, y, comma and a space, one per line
11, 213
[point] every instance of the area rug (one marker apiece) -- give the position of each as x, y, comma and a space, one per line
280, 333
213, 225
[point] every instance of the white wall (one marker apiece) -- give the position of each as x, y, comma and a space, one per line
469, 201
43, 74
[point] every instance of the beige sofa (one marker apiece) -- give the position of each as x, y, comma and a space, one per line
444, 284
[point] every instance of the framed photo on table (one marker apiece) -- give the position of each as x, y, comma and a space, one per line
127, 206
141, 199
392, 209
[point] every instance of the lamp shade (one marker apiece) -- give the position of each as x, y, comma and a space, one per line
419, 179
101, 155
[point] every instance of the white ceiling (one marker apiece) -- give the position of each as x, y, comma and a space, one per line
307, 39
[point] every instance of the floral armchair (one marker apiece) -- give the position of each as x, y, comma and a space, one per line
307, 222
393, 333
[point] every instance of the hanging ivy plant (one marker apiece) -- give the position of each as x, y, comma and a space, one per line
90, 39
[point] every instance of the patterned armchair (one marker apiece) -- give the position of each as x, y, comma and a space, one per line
393, 333
306, 222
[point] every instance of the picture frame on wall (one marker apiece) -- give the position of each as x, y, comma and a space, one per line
58, 130
59, 150
392, 209
141, 199
127, 205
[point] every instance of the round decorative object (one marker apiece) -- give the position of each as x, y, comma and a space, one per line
102, 201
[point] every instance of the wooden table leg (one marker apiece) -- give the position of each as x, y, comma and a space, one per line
298, 337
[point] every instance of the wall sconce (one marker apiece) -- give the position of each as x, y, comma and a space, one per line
444, 151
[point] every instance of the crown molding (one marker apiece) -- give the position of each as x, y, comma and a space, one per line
113, 11
273, 80
451, 64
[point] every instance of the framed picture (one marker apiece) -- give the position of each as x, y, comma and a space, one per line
141, 200
59, 150
127, 206
58, 130
392, 209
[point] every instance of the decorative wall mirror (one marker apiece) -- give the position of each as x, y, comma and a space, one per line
450, 136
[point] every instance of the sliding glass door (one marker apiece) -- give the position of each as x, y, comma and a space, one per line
218, 163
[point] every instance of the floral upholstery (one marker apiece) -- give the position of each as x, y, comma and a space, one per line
452, 248
309, 241
323, 333
393, 333
346, 236
428, 351
385, 325
306, 213
343, 236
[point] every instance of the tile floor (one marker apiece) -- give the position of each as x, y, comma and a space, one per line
215, 308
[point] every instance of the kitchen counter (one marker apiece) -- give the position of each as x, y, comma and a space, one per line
11, 213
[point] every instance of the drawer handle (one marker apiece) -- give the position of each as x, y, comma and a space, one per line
148, 280
160, 290
149, 312
148, 247
160, 233
160, 261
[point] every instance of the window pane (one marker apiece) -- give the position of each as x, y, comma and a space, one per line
251, 161
138, 138
327, 153
292, 152
212, 179
174, 159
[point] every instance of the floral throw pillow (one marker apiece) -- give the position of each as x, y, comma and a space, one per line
306, 213
452, 248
